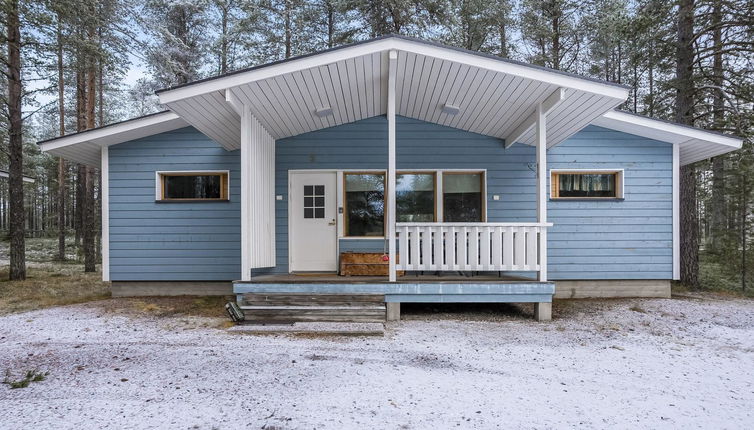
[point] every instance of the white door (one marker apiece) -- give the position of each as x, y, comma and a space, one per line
314, 236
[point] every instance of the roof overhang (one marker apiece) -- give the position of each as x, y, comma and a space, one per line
486, 94
695, 144
85, 147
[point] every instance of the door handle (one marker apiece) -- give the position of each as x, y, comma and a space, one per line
331, 222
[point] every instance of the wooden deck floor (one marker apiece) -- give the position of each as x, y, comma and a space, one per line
332, 278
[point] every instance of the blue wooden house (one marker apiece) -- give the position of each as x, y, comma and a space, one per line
475, 178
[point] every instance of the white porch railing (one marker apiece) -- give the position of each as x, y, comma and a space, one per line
470, 246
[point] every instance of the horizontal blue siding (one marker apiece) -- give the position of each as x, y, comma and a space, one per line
629, 239
419, 145
152, 241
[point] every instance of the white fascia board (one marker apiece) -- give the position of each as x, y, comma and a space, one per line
307, 62
661, 130
521, 70
122, 132
387, 44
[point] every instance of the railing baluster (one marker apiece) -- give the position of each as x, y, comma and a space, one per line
462, 247
469, 246
426, 248
402, 262
497, 248
450, 249
437, 250
508, 261
531, 248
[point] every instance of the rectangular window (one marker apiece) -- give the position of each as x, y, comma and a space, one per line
463, 196
364, 204
193, 186
415, 197
586, 185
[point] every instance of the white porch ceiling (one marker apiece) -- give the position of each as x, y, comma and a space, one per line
494, 96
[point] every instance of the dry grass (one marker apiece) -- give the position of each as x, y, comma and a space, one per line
50, 284
171, 306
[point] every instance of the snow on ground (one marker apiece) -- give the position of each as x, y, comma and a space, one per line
682, 363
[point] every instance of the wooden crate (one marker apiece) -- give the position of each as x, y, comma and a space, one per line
364, 264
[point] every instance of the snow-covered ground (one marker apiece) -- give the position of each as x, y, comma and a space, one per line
682, 363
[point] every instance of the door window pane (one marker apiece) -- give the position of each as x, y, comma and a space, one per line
462, 197
314, 201
415, 197
364, 204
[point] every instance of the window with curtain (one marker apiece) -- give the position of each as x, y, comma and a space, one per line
585, 185
192, 186
463, 199
415, 197
364, 204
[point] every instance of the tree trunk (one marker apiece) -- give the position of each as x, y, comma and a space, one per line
330, 24
288, 31
744, 212
15, 145
61, 161
90, 259
717, 199
684, 101
224, 11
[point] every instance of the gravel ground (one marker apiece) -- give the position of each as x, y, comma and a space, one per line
681, 363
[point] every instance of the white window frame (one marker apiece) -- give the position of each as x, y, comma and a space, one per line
620, 186
158, 184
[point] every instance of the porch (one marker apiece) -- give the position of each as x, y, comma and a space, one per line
296, 155
326, 295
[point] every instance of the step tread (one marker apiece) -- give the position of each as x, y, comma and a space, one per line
311, 307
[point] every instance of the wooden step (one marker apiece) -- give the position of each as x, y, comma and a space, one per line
307, 299
330, 314
307, 307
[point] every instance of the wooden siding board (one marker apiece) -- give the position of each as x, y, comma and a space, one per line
629, 239
619, 234
152, 241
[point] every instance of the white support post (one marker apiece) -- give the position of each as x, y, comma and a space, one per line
105, 176
392, 60
541, 142
245, 193
676, 213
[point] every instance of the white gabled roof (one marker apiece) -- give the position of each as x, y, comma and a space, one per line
86, 146
490, 95
493, 96
695, 144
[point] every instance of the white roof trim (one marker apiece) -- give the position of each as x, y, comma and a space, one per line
695, 143
119, 132
84, 147
386, 44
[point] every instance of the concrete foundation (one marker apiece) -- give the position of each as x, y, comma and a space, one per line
611, 289
171, 288
543, 311
393, 311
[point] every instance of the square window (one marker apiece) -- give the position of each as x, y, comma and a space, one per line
319, 202
308, 190
308, 202
308, 213
319, 190
319, 213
